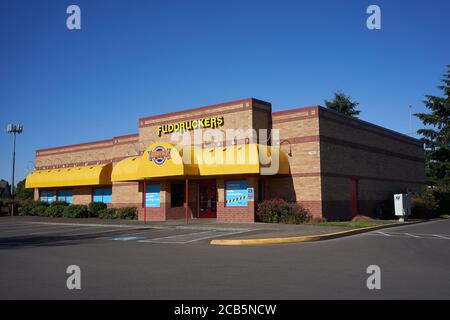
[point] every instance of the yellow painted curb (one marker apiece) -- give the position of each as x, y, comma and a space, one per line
240, 242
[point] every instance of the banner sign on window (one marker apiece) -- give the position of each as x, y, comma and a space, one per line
152, 196
236, 194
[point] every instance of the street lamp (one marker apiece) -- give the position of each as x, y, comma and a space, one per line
14, 129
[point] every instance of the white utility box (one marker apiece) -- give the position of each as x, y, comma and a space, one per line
402, 205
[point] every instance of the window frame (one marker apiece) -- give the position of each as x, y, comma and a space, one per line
93, 195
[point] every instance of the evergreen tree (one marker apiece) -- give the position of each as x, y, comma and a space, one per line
22, 193
436, 136
343, 104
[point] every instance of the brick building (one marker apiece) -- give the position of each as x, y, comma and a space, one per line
334, 165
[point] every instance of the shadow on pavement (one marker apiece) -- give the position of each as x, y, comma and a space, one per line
19, 242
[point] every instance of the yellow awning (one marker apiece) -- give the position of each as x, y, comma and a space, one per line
236, 159
267, 155
126, 170
243, 159
165, 160
161, 159
70, 177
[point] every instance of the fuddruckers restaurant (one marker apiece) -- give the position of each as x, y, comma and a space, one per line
335, 166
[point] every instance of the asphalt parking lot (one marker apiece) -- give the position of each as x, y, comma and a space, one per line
138, 262
48, 233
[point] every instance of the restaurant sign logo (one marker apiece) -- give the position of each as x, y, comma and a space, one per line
212, 123
159, 155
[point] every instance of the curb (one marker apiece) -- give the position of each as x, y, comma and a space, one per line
286, 240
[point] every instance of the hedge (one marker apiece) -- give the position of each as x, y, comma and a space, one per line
281, 211
95, 207
75, 211
120, 213
107, 213
54, 211
127, 213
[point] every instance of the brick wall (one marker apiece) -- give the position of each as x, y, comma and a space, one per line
383, 162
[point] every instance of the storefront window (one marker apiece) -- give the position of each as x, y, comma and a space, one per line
65, 195
153, 196
102, 195
46, 196
236, 194
177, 195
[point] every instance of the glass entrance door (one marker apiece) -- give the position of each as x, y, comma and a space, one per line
207, 200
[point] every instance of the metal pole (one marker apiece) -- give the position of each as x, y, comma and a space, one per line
144, 199
186, 200
13, 165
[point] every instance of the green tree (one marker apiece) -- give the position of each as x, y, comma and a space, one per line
22, 193
343, 104
436, 135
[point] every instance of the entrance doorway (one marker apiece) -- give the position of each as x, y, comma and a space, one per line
207, 198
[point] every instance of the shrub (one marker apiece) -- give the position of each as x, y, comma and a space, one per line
38, 208
58, 203
110, 213
54, 210
127, 213
280, 211
424, 204
25, 208
75, 211
95, 207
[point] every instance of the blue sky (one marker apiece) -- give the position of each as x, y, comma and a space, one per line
140, 58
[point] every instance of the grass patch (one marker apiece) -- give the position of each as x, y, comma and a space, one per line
357, 222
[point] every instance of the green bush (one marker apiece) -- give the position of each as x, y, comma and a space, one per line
110, 213
25, 208
127, 213
54, 210
95, 207
38, 208
280, 211
75, 211
58, 203
424, 204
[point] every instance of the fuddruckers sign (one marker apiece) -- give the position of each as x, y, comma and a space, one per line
211, 123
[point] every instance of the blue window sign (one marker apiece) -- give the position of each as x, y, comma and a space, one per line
236, 193
153, 196
250, 193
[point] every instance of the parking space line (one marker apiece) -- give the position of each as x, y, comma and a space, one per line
384, 234
440, 236
134, 233
411, 235
196, 236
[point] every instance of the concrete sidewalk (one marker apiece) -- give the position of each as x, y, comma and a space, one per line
257, 230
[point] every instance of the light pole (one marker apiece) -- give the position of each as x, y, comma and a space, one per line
14, 129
